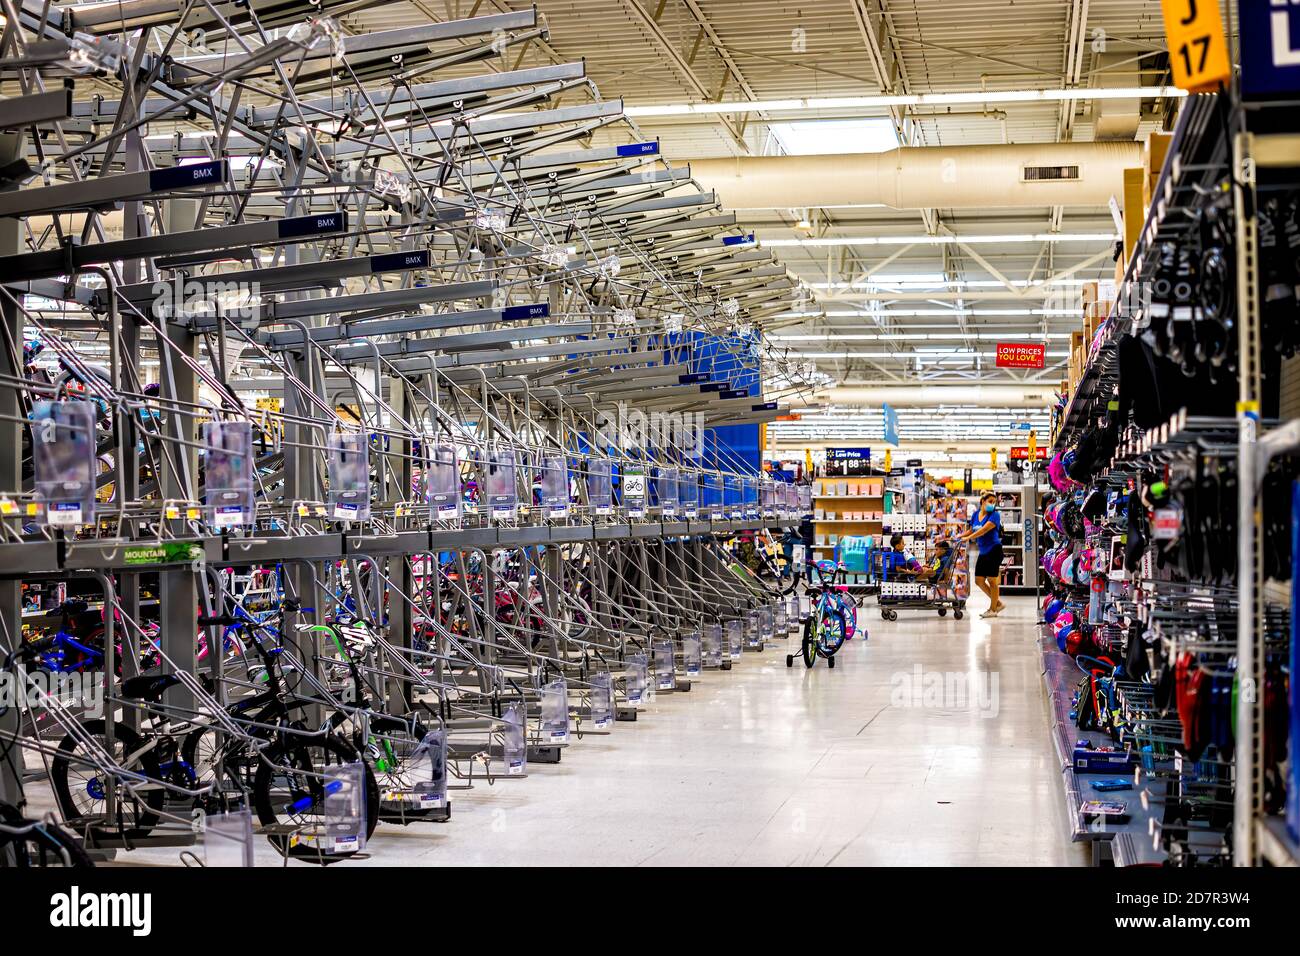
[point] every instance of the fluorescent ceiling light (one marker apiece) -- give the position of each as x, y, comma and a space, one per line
945, 240
823, 137
916, 99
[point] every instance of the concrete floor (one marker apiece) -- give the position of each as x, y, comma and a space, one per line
885, 760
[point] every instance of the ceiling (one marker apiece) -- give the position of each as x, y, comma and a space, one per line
658, 52
865, 325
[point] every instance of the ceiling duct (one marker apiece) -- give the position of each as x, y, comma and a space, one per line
1115, 119
933, 396
926, 177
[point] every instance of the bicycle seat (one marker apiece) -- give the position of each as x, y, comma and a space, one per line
148, 686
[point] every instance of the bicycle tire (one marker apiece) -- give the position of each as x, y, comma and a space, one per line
298, 754
141, 813
808, 647
45, 846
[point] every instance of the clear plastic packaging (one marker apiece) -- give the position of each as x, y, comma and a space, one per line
228, 473
63, 453
349, 476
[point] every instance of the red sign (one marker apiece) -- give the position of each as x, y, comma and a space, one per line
1017, 355
1021, 453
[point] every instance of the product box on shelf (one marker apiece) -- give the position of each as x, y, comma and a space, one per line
1090, 760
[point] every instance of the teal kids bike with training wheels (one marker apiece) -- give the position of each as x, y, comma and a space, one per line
832, 615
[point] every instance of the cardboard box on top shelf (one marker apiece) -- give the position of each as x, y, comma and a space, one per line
1134, 213
1090, 292
1154, 152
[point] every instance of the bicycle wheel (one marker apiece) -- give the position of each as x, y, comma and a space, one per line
832, 630
808, 647
40, 846
288, 789
81, 789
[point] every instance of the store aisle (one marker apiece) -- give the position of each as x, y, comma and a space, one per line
865, 764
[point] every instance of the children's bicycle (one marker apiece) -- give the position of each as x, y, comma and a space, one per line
832, 618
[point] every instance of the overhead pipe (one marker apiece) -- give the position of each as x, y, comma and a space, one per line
935, 396
922, 177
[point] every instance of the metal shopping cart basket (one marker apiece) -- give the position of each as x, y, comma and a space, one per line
900, 590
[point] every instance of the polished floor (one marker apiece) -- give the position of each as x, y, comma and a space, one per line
926, 745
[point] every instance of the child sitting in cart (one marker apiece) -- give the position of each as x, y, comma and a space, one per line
913, 568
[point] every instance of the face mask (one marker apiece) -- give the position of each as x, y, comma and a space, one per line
988, 508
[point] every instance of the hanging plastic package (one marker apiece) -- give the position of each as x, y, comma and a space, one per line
637, 667
711, 505
442, 491
666, 489
779, 624
345, 808
228, 473
754, 628
349, 476
501, 487
711, 649
633, 487
228, 839
600, 494
692, 653
555, 712
555, 487
514, 741
749, 494
665, 675
793, 614
426, 773
601, 695
63, 455
735, 638
766, 623
688, 493
734, 497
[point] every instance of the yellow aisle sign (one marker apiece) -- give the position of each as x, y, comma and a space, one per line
1033, 446
889, 460
993, 458
1198, 50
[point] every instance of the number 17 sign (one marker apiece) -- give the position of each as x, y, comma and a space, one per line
1198, 50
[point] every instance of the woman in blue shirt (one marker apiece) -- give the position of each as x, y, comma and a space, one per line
986, 532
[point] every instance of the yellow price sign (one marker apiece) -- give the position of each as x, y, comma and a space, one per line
1198, 49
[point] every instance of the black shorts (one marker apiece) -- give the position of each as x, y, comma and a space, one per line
989, 565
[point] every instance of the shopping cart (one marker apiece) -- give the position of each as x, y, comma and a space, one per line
900, 590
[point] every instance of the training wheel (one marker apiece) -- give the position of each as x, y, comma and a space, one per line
789, 660
958, 615
830, 661
943, 612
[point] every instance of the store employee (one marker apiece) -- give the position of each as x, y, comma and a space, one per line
986, 531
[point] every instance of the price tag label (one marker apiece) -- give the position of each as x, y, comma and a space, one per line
1198, 49
1167, 524
65, 514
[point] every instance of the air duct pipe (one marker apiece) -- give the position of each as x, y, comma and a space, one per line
926, 177
934, 396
